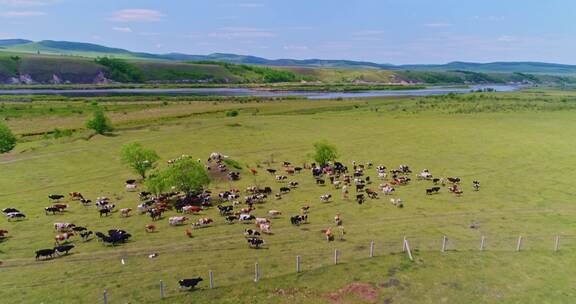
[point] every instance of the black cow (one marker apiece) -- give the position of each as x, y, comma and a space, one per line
55, 197
10, 210
225, 209
360, 198
100, 235
320, 182
130, 182
284, 190
48, 253
79, 228
51, 209
85, 235
255, 242
433, 190
360, 187
189, 283
297, 169
104, 211
454, 180
230, 219
15, 215
298, 219
63, 249
271, 171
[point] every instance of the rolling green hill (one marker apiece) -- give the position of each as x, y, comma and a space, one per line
50, 47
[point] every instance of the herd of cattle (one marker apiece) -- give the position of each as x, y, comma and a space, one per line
235, 205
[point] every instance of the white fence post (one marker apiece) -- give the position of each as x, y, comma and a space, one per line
557, 243
256, 272
105, 296
482, 241
211, 274
408, 249
161, 290
336, 253
444, 238
297, 264
404, 245
372, 249
519, 244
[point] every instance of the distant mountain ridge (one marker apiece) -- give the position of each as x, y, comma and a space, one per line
94, 50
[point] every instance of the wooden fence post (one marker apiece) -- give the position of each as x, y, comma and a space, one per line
408, 249
372, 249
444, 239
557, 243
519, 244
336, 253
211, 274
256, 272
297, 264
482, 241
161, 290
105, 296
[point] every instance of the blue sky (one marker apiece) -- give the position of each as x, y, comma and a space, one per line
384, 31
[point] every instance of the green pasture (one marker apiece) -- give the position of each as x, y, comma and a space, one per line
520, 147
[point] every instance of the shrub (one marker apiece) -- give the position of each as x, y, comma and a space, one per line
232, 113
99, 123
7, 139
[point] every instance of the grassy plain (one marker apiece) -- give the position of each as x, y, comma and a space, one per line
519, 145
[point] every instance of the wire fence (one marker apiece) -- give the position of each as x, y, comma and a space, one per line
162, 283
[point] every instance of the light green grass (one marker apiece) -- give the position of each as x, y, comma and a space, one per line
523, 159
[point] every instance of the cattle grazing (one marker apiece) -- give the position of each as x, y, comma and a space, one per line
125, 212
265, 228
9, 210
63, 227
261, 220
79, 229
202, 222
188, 233
150, 227
304, 209
63, 249
337, 219
328, 234
371, 193
454, 189
100, 236
433, 190
230, 219
115, 236
52, 210
435, 181
281, 178
85, 202
55, 197
48, 253
63, 237
397, 202
253, 171
271, 171
320, 182
425, 174
255, 242
360, 198
3, 234
177, 220
251, 232
274, 213
144, 195
297, 169
246, 217
85, 235
284, 190
60, 207
325, 198
104, 212
155, 214
224, 210
454, 180
191, 209
189, 283
15, 215
298, 219
75, 196
360, 187
476, 185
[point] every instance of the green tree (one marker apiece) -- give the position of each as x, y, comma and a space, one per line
7, 139
184, 175
99, 123
324, 152
139, 159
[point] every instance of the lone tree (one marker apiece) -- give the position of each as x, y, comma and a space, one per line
99, 123
7, 139
324, 152
185, 175
139, 159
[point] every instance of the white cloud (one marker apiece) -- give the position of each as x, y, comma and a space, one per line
299, 48
438, 24
506, 38
18, 14
242, 32
137, 15
27, 3
122, 29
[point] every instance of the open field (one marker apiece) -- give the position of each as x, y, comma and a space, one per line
519, 145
